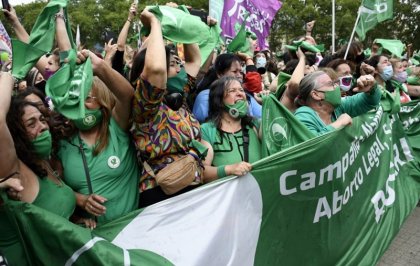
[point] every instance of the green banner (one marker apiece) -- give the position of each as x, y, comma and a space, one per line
410, 118
340, 198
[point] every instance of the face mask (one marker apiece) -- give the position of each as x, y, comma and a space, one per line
239, 109
176, 84
387, 73
318, 59
43, 144
260, 65
333, 97
401, 77
41, 85
48, 74
345, 82
91, 119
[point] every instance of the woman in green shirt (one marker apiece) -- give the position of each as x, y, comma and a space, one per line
230, 135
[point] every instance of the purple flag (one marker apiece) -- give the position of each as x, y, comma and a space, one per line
5, 40
262, 13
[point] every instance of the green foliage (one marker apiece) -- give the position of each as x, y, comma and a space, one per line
291, 18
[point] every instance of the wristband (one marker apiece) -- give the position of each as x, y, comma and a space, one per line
60, 15
129, 20
221, 171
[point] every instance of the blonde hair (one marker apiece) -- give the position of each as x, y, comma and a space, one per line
107, 102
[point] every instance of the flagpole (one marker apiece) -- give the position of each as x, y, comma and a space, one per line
333, 26
354, 30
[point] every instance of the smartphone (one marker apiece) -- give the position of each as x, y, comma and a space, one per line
5, 4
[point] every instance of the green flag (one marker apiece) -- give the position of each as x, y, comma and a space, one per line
180, 27
410, 119
280, 128
371, 13
241, 42
282, 79
395, 47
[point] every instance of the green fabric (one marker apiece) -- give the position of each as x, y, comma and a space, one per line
241, 42
413, 80
373, 12
352, 105
396, 47
282, 79
69, 86
280, 128
114, 172
229, 148
304, 45
181, 27
63, 204
320, 47
391, 102
41, 39
410, 119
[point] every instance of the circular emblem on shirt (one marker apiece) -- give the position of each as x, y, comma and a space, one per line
89, 120
114, 162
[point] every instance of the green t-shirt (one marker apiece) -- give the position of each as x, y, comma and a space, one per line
58, 199
114, 172
228, 147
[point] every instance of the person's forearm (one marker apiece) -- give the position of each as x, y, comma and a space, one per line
122, 37
20, 31
118, 85
63, 40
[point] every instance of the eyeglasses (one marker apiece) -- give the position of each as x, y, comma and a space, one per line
328, 84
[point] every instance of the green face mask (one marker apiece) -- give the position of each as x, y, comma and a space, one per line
43, 144
176, 84
91, 119
239, 109
333, 97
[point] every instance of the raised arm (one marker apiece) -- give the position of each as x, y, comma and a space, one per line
292, 89
62, 37
155, 68
192, 59
122, 37
20, 31
9, 162
118, 85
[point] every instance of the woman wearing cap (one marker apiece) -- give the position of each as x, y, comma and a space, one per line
321, 107
230, 135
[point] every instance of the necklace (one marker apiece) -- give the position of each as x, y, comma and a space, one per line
53, 172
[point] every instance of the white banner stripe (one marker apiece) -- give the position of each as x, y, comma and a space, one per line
83, 249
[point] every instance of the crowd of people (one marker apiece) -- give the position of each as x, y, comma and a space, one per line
156, 124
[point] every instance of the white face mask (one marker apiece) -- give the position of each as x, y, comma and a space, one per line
261, 62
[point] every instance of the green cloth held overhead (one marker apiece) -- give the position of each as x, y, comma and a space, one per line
180, 27
70, 85
303, 45
282, 79
241, 42
396, 47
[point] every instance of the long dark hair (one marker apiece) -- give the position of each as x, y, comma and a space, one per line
24, 149
222, 64
374, 61
216, 105
138, 63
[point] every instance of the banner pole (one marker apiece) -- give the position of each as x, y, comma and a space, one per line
352, 34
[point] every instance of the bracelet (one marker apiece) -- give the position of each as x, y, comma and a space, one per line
221, 171
60, 15
129, 20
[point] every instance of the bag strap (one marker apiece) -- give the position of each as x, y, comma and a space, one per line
245, 137
88, 179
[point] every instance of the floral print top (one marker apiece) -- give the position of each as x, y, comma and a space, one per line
161, 134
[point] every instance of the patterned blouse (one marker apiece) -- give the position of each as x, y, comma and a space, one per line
161, 134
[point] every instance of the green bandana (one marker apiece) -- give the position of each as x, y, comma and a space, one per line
43, 144
91, 119
304, 45
176, 84
239, 109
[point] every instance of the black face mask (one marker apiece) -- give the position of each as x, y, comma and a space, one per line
41, 85
174, 100
359, 58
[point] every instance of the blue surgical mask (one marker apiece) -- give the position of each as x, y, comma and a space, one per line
387, 73
261, 62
